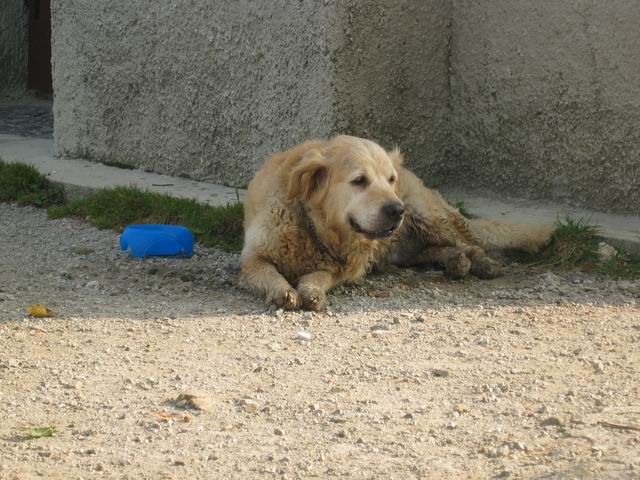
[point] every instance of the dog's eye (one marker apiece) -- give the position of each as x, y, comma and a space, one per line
360, 181
392, 179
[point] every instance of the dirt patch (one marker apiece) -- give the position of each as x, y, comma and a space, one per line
527, 376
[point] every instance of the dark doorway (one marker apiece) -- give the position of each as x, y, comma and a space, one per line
39, 49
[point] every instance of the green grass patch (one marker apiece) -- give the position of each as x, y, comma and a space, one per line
25, 185
621, 265
39, 432
574, 242
120, 206
459, 205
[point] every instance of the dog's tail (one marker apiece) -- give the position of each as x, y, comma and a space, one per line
502, 235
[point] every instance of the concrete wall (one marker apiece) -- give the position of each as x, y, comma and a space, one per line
546, 100
202, 88
536, 99
392, 79
13, 47
210, 89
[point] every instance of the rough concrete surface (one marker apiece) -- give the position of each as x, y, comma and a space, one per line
215, 89
392, 78
207, 89
546, 100
408, 376
13, 47
529, 99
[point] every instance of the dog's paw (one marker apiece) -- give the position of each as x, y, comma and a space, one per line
286, 298
312, 297
485, 268
457, 266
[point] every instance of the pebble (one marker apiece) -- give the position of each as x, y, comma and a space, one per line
503, 451
278, 431
196, 400
440, 372
379, 327
552, 422
250, 406
303, 335
92, 285
482, 341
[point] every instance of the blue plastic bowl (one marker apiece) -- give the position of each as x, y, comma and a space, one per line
145, 240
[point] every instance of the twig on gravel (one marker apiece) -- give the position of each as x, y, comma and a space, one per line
257, 368
618, 426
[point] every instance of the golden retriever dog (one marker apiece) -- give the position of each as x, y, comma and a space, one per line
326, 212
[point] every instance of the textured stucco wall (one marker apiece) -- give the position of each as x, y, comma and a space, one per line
202, 88
546, 100
533, 99
210, 89
392, 78
13, 47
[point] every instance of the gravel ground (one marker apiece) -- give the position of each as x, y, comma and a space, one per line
533, 375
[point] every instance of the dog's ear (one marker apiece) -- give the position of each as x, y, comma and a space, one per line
308, 176
396, 157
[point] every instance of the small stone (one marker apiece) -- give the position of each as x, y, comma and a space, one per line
440, 372
342, 434
379, 327
12, 363
179, 463
503, 451
195, 400
250, 406
278, 431
92, 285
597, 366
99, 467
408, 416
606, 251
552, 422
303, 335
482, 341
460, 408
419, 319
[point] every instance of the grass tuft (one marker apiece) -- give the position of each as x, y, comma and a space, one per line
120, 206
621, 265
459, 205
39, 432
25, 185
573, 242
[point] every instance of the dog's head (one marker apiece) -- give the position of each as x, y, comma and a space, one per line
352, 183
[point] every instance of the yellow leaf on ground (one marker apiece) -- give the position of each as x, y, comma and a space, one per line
39, 311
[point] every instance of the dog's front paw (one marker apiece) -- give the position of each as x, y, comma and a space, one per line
485, 268
457, 265
286, 298
313, 298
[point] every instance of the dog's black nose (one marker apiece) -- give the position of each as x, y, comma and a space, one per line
393, 210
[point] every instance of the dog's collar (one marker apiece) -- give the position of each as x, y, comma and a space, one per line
317, 241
